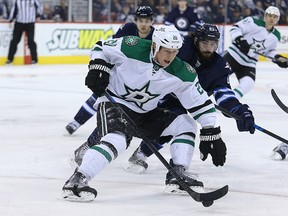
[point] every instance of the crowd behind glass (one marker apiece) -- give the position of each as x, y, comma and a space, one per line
211, 11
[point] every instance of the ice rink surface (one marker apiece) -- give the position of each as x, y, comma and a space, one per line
36, 103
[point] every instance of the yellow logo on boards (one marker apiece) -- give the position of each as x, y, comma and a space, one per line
70, 39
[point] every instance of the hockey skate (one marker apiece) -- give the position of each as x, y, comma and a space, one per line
72, 127
77, 189
172, 185
137, 162
279, 152
77, 157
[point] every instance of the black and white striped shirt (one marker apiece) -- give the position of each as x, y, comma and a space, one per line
25, 11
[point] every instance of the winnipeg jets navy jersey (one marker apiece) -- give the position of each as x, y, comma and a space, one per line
184, 22
131, 29
213, 75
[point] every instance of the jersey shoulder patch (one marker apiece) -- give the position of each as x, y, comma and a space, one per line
131, 40
182, 70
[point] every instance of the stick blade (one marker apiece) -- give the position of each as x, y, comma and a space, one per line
214, 195
278, 101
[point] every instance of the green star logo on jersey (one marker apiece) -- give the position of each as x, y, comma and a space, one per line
258, 45
139, 96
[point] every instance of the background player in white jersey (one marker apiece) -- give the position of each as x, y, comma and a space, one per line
138, 73
252, 37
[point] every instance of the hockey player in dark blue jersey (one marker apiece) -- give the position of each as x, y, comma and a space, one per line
142, 27
183, 18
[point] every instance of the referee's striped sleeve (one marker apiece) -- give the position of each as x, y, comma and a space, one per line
25, 11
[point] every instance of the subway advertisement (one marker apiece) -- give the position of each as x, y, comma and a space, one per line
70, 43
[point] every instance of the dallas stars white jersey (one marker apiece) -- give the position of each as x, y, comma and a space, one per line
138, 83
260, 40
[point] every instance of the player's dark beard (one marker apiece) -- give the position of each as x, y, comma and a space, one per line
205, 56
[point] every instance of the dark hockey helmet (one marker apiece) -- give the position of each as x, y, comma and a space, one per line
206, 32
144, 12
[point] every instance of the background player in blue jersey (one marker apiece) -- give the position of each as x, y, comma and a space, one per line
142, 27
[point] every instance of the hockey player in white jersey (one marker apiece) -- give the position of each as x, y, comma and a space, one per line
251, 37
137, 73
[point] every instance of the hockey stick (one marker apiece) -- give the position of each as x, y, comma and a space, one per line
206, 198
255, 126
273, 59
278, 101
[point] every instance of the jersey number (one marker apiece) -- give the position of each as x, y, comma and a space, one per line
110, 42
199, 88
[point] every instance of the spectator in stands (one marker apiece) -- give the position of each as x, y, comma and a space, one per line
126, 14
283, 7
161, 14
204, 11
3, 10
100, 10
258, 11
267, 3
237, 14
247, 11
60, 12
286, 17
116, 7
183, 18
221, 15
47, 14
214, 5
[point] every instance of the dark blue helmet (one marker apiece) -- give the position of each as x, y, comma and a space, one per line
144, 12
206, 32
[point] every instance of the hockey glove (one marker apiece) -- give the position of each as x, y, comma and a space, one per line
211, 143
246, 122
97, 78
242, 44
281, 61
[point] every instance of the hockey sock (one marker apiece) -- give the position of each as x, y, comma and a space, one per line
182, 149
97, 157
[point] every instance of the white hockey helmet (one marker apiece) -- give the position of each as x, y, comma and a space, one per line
272, 10
166, 36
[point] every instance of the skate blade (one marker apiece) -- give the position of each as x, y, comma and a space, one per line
134, 168
175, 189
276, 156
72, 162
85, 196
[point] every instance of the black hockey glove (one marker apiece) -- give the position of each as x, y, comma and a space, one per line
281, 61
242, 44
246, 123
97, 78
211, 143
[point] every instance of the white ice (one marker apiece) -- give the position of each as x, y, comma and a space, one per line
36, 103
